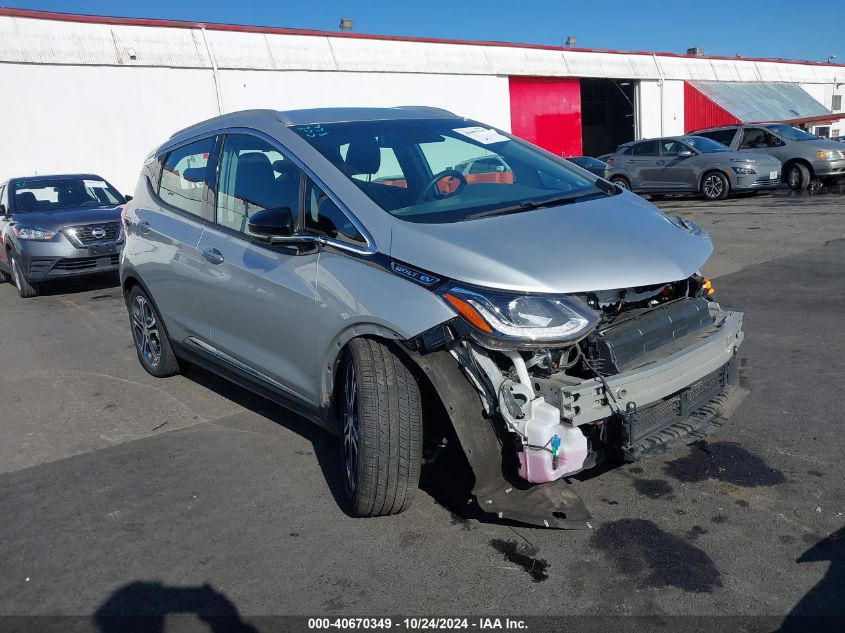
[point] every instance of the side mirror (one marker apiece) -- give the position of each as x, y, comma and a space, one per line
684, 154
270, 223
127, 198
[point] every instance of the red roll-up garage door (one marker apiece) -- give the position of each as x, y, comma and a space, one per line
547, 112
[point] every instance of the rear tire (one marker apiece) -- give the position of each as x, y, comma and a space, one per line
715, 186
25, 289
619, 181
381, 417
151, 341
797, 176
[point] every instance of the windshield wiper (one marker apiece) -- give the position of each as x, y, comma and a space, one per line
530, 205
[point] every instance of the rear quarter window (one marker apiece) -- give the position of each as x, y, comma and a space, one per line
184, 181
725, 137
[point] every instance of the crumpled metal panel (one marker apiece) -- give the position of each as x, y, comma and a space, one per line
753, 102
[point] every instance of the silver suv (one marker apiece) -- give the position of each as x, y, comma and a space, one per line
686, 164
55, 227
805, 156
336, 262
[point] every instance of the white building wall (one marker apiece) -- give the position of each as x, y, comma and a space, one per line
485, 98
99, 119
106, 119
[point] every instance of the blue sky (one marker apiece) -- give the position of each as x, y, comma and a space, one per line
767, 28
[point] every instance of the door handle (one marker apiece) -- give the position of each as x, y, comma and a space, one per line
661, 162
143, 226
213, 255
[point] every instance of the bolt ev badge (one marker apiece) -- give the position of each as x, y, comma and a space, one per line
416, 275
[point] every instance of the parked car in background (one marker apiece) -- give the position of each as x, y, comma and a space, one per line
313, 257
593, 165
486, 169
55, 227
840, 139
804, 156
684, 164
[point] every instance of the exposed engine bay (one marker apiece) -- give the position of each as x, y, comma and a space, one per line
655, 372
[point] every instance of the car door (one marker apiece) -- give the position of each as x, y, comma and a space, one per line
165, 231
760, 141
642, 163
678, 171
260, 299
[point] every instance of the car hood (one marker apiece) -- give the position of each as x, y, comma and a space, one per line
824, 143
616, 242
55, 220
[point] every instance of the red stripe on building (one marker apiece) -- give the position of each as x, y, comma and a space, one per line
546, 111
700, 112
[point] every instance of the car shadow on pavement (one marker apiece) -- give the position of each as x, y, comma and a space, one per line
447, 479
143, 607
822, 609
326, 446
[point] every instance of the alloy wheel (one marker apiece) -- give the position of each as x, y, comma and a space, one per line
621, 183
145, 331
713, 186
794, 177
350, 426
16, 273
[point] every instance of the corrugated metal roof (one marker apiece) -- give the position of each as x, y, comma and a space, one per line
758, 102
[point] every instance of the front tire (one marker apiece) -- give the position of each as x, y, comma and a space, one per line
619, 181
797, 176
25, 289
715, 186
381, 417
151, 341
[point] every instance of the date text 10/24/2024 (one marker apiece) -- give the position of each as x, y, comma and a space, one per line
418, 624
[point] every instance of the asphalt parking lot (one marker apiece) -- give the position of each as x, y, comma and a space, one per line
120, 493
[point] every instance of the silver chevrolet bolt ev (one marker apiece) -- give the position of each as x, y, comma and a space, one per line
338, 262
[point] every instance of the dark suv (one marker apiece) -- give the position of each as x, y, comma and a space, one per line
56, 227
805, 156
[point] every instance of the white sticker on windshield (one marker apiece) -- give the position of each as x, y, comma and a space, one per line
482, 134
95, 184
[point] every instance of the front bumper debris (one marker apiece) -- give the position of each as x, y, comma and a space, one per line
585, 401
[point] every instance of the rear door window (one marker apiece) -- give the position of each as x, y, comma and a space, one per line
646, 148
184, 182
755, 137
725, 137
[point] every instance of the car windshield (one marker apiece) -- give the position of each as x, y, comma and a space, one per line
792, 133
705, 145
52, 194
446, 170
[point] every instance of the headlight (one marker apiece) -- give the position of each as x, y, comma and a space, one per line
33, 233
687, 225
743, 171
830, 154
510, 321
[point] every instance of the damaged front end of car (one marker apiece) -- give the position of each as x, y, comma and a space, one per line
539, 388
